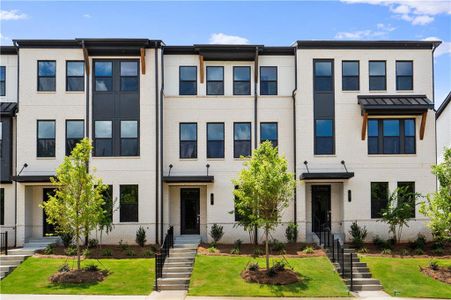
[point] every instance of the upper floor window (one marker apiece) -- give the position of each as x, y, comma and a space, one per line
1, 139
188, 140
188, 80
103, 138
2, 206
2, 80
404, 75
129, 76
215, 80
408, 195
75, 80
391, 136
103, 71
74, 134
350, 76
128, 203
46, 138
269, 132
377, 76
215, 140
379, 198
268, 80
47, 75
241, 80
241, 139
129, 138
324, 137
323, 76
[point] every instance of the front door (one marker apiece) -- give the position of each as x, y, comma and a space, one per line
190, 211
47, 229
321, 213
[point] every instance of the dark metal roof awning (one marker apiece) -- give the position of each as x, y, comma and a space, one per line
32, 178
326, 175
188, 179
8, 109
394, 104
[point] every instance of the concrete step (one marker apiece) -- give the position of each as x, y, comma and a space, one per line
176, 274
183, 269
354, 265
7, 268
362, 281
43, 240
347, 258
368, 287
13, 257
186, 246
355, 270
184, 252
10, 262
21, 252
176, 280
358, 275
172, 287
178, 264
172, 259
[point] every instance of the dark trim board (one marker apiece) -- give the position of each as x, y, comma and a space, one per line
394, 104
329, 175
443, 105
188, 179
331, 44
32, 178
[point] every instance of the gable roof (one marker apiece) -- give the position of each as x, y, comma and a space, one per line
443, 105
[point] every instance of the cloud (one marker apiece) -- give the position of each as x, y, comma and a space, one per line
221, 38
417, 12
443, 49
382, 31
87, 16
14, 14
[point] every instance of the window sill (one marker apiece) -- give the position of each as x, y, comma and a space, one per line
404, 91
128, 223
392, 155
75, 92
350, 92
116, 157
46, 92
324, 155
377, 91
216, 159
241, 159
188, 159
46, 158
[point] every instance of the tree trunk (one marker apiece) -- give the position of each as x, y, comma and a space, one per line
78, 251
267, 248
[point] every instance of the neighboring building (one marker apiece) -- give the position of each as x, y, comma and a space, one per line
169, 124
443, 116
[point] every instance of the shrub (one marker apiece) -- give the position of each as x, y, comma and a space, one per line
124, 246
63, 268
418, 251
271, 272
130, 252
141, 236
362, 250
149, 253
438, 251
86, 252
107, 252
291, 233
49, 249
418, 243
70, 251
405, 252
279, 266
235, 251
91, 268
381, 244
358, 235
253, 267
439, 243
237, 244
153, 248
433, 264
212, 249
386, 251
276, 246
66, 238
308, 250
257, 252
216, 233
92, 243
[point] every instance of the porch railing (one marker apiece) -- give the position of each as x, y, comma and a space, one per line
4, 242
160, 256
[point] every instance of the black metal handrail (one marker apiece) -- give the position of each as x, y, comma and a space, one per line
4, 242
163, 252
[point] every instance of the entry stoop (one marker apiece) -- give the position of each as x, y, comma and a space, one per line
178, 266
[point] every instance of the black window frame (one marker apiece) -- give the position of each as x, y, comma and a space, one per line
377, 76
73, 141
276, 81
121, 139
343, 76
96, 139
404, 76
181, 142
215, 81
318, 139
103, 76
248, 92
187, 81
2, 206
235, 141
223, 140
401, 184
3, 82
1, 139
377, 204
123, 218
107, 195
402, 136
237, 216
275, 143
39, 76
122, 77
75, 77
38, 154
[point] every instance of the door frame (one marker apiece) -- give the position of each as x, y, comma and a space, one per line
323, 188
182, 212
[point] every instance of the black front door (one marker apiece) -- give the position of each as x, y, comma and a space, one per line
190, 211
321, 208
47, 229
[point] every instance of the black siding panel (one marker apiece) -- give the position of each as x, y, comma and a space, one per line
6, 157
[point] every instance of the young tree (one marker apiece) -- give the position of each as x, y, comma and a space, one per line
264, 188
76, 206
438, 205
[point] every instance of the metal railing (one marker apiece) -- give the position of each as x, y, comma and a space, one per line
160, 256
4, 242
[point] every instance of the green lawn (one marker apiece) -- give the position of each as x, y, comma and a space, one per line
403, 276
128, 277
220, 276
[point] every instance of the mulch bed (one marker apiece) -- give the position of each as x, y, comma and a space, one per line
78, 276
117, 252
442, 273
398, 250
280, 278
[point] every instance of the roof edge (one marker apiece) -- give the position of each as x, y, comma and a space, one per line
443, 105
382, 44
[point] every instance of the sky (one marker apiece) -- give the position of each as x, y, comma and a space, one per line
252, 22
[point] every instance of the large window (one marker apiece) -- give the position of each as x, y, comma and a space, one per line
188, 140
269, 132
268, 80
391, 136
188, 80
404, 75
103, 72
215, 80
238, 216
2, 206
379, 198
377, 76
350, 76
2, 80
241, 80
215, 140
241, 139
103, 138
129, 76
323, 76
47, 75
75, 80
74, 134
409, 189
1, 139
129, 138
129, 203
46, 138
324, 137
107, 206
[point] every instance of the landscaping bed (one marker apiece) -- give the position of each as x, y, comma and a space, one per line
290, 250
106, 251
405, 249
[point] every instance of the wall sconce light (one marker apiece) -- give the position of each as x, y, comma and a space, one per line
349, 196
212, 199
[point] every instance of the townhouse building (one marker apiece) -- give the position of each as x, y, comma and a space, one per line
170, 126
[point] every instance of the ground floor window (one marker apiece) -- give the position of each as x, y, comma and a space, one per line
108, 202
379, 198
129, 203
2, 206
410, 197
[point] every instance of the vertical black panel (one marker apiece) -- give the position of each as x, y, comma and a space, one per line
6, 149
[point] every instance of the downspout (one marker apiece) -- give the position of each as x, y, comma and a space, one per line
161, 141
157, 129
434, 46
15, 147
87, 93
293, 95
255, 120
